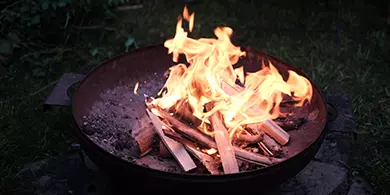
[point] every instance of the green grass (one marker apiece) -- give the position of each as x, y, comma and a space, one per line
344, 49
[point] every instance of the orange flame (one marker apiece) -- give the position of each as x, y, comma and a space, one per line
211, 70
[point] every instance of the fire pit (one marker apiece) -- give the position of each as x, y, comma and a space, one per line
223, 118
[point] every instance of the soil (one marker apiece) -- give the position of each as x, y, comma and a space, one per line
115, 120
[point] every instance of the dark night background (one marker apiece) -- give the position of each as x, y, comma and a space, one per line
342, 45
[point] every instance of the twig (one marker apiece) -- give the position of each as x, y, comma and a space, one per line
43, 88
47, 51
94, 28
129, 7
16, 2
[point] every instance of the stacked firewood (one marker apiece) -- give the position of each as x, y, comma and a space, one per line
261, 144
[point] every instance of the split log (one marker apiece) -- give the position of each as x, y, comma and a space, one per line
145, 140
177, 149
208, 161
139, 143
224, 145
268, 126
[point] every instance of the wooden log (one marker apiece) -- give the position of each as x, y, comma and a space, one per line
250, 139
163, 150
268, 126
265, 149
145, 140
139, 144
180, 138
184, 112
186, 130
208, 161
177, 150
272, 145
252, 157
224, 145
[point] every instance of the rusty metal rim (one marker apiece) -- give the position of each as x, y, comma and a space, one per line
199, 177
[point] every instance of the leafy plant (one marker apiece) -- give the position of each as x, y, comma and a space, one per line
30, 25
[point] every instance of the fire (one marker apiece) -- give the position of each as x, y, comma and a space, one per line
211, 69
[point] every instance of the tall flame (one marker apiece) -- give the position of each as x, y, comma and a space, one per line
211, 67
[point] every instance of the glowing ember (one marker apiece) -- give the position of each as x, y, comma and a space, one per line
135, 91
211, 67
211, 151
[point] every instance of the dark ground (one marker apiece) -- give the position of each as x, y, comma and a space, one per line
342, 46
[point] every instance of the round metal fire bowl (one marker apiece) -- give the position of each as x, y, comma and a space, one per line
150, 63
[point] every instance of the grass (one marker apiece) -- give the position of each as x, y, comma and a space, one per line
343, 48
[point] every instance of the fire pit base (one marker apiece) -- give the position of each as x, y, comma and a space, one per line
327, 173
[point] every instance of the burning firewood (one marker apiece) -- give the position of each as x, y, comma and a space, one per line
209, 162
176, 149
224, 145
186, 130
269, 127
183, 111
184, 138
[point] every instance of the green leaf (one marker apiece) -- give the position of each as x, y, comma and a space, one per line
36, 54
13, 36
36, 20
130, 41
15, 39
38, 72
45, 5
94, 51
24, 8
61, 4
6, 47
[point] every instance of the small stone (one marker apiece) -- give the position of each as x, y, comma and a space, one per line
316, 178
89, 130
44, 180
360, 186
